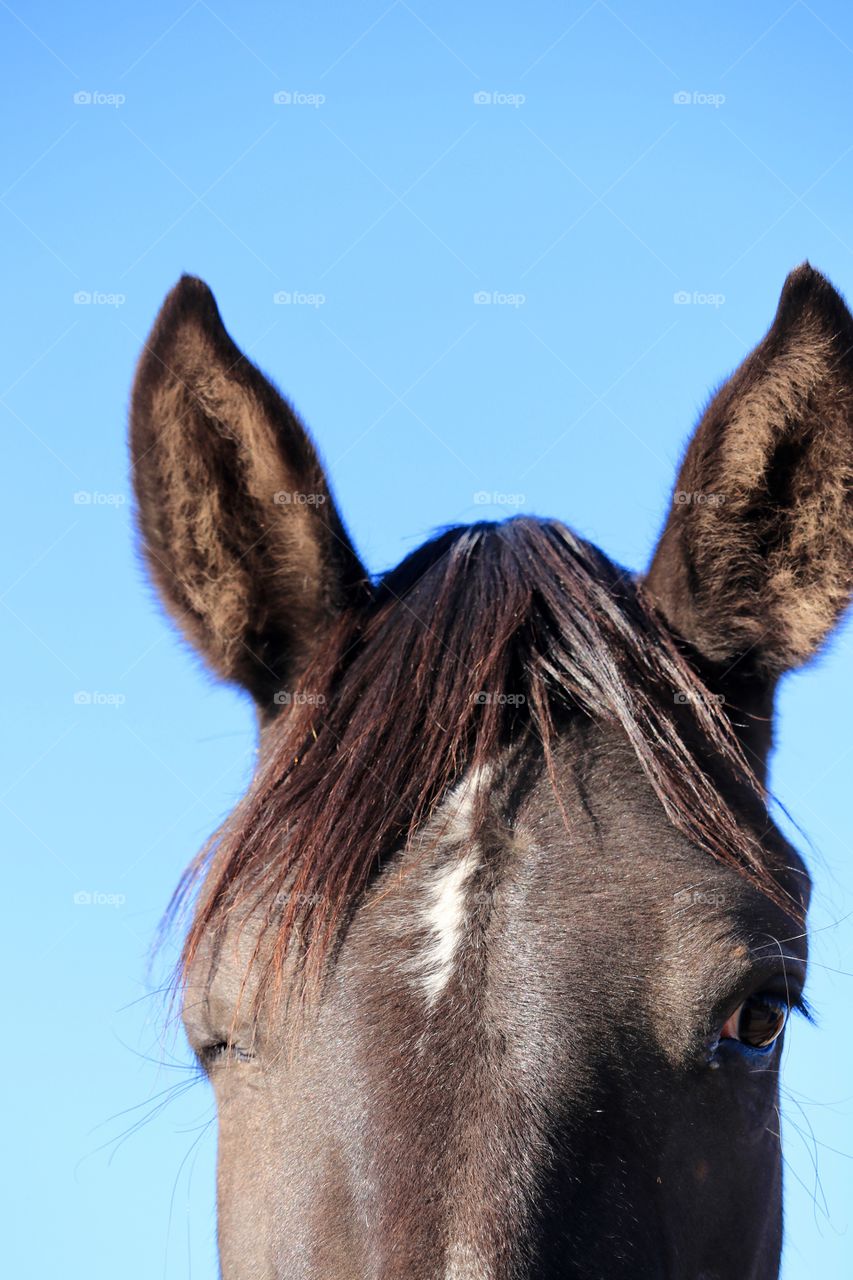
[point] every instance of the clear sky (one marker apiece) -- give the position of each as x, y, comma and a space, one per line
580, 195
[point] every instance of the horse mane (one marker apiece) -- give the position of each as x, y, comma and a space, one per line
488, 634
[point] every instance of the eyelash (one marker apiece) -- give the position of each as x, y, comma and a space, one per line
799, 1004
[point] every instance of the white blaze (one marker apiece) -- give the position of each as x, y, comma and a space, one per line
463, 1264
445, 911
445, 918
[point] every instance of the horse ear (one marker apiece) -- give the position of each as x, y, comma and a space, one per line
755, 563
238, 524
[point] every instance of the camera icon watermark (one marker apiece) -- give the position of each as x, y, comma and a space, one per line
494, 298
695, 298
486, 699
699, 898
285, 899
94, 698
293, 298
298, 698
683, 699
484, 498
694, 98
296, 98
684, 498
94, 498
94, 98
94, 898
496, 98
90, 298
292, 498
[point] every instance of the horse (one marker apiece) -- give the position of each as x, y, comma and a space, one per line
490, 968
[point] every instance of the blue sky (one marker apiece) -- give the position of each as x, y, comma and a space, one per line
618, 156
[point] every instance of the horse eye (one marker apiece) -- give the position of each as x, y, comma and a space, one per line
758, 1022
223, 1049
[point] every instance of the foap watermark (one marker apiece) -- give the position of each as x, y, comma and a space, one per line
293, 498
486, 699
298, 698
95, 498
699, 898
297, 98
95, 298
686, 498
285, 899
485, 498
494, 298
95, 898
293, 298
497, 98
95, 98
94, 698
695, 298
695, 98
683, 699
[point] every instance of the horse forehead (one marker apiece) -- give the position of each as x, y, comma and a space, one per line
579, 894
567, 891
517, 889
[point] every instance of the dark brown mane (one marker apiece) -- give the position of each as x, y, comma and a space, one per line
486, 633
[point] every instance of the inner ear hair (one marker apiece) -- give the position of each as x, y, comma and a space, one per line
239, 527
755, 564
